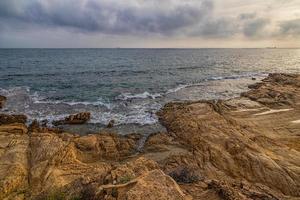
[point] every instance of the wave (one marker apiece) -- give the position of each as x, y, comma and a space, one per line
140, 114
216, 78
144, 95
74, 103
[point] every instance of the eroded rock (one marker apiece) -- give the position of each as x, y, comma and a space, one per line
79, 118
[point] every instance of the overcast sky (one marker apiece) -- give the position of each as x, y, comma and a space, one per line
150, 23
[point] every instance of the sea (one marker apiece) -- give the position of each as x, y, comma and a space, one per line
128, 85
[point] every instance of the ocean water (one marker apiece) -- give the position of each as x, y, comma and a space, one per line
129, 85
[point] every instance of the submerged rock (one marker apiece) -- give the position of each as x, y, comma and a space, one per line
79, 118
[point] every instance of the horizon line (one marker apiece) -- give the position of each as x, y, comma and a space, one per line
149, 47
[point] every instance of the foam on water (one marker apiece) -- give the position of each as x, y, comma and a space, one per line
144, 95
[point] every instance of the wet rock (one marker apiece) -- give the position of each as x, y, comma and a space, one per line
44, 123
79, 118
111, 124
9, 119
2, 101
34, 126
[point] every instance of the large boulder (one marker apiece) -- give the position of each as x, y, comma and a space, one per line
79, 118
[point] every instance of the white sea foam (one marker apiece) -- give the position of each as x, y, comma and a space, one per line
36, 98
144, 95
180, 87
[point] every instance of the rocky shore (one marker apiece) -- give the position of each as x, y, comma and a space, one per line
242, 148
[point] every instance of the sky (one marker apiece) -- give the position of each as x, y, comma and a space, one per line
149, 23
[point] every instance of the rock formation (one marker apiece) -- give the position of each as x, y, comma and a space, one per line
2, 101
241, 148
9, 119
79, 118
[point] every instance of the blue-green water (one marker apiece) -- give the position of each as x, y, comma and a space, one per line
129, 85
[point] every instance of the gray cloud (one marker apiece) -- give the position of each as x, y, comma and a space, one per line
216, 28
290, 27
255, 27
112, 17
245, 16
189, 18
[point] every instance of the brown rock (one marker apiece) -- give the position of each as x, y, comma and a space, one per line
276, 90
141, 179
229, 143
13, 159
79, 118
9, 119
2, 101
34, 126
155, 185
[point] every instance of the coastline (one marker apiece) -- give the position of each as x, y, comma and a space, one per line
241, 148
136, 113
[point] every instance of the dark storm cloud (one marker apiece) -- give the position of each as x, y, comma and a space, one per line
291, 27
135, 18
114, 17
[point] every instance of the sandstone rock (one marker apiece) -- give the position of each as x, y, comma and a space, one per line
79, 118
239, 144
141, 179
131, 170
105, 146
155, 185
9, 119
275, 90
13, 158
2, 101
